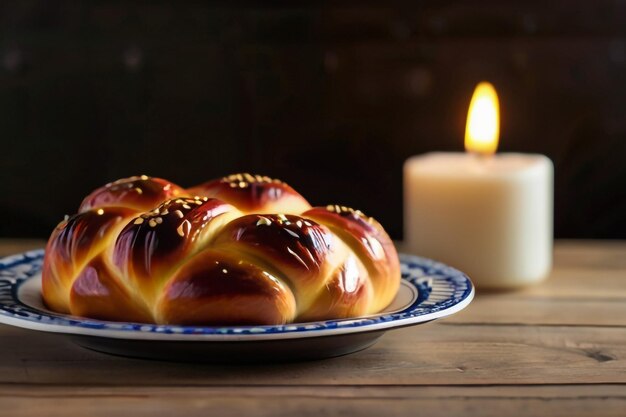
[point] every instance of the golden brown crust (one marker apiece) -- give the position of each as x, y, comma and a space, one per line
254, 194
97, 293
369, 241
347, 293
216, 287
141, 193
73, 243
152, 245
240, 250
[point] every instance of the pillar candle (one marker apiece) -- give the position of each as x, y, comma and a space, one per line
486, 213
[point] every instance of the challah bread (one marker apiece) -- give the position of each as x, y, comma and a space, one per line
242, 250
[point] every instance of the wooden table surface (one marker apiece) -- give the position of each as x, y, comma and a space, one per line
558, 349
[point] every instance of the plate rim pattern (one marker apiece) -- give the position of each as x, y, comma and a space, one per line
442, 291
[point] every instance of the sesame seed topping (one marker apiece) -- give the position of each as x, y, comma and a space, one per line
187, 206
138, 220
139, 190
100, 212
179, 213
225, 271
144, 177
263, 221
299, 223
152, 223
159, 220
244, 179
66, 217
184, 228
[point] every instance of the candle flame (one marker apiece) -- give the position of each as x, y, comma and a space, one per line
483, 120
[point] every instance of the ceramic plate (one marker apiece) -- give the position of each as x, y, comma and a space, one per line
429, 290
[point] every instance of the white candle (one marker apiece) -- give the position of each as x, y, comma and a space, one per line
489, 216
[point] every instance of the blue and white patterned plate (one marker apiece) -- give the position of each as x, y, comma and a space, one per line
429, 290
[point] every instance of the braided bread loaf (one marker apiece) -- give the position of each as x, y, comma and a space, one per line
143, 249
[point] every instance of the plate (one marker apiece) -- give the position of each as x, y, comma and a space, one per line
429, 290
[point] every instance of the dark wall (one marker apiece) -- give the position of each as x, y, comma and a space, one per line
331, 97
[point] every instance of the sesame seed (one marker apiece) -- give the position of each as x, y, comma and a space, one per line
144, 177
330, 207
183, 229
100, 212
152, 223
263, 221
225, 271
186, 206
179, 213
66, 217
299, 223
159, 220
139, 191
138, 220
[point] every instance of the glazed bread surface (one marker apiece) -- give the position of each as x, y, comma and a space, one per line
241, 250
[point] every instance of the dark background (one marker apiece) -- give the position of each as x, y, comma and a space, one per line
330, 96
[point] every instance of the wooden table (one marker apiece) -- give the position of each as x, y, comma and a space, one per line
558, 349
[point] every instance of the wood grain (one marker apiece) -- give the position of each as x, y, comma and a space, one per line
431, 354
556, 349
315, 401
